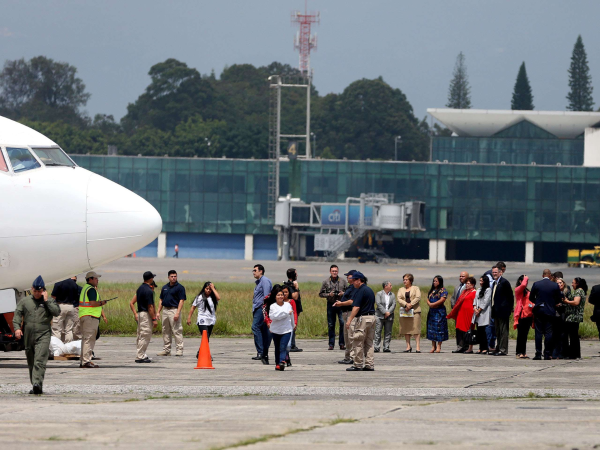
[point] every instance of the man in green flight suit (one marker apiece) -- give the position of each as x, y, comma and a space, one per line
33, 319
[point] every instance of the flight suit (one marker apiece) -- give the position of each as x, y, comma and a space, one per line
36, 316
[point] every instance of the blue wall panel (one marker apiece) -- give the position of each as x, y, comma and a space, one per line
149, 251
265, 247
206, 246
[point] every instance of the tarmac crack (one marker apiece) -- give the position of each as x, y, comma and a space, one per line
515, 375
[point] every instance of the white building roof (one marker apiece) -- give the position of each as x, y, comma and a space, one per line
487, 122
14, 133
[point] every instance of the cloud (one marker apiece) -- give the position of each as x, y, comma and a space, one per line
5, 32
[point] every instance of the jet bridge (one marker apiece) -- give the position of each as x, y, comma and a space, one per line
338, 226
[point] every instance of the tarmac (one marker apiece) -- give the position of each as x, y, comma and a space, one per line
131, 270
410, 400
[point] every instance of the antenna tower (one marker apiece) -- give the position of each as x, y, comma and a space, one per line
303, 41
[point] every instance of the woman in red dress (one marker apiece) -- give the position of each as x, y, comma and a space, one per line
462, 313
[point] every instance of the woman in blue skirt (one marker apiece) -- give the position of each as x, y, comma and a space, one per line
437, 324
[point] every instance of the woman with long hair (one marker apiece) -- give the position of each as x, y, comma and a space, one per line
573, 317
206, 301
281, 318
287, 299
462, 313
409, 297
523, 316
437, 324
483, 311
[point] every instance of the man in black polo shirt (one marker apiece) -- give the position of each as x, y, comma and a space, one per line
66, 294
361, 325
345, 305
172, 296
145, 317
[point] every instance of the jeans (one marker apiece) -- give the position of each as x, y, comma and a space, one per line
331, 316
523, 328
281, 342
262, 335
543, 329
490, 332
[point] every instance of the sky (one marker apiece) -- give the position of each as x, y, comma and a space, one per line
412, 44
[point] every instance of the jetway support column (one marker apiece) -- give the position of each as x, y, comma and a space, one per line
437, 251
162, 245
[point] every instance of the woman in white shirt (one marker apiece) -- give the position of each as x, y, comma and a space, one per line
206, 302
281, 317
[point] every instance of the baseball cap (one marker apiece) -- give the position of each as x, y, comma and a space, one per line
148, 275
92, 275
351, 273
357, 275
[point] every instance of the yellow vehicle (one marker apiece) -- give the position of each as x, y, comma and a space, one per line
584, 258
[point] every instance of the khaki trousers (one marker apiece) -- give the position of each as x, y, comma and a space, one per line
170, 327
362, 335
76, 326
144, 333
63, 324
347, 340
89, 328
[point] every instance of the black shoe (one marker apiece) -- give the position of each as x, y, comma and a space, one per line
331, 347
288, 363
387, 350
547, 358
145, 360
342, 347
295, 349
353, 369
493, 354
500, 354
265, 360
408, 351
258, 357
376, 350
31, 392
345, 361
462, 350
537, 358
37, 389
368, 369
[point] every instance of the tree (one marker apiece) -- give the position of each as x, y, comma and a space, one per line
522, 99
580, 80
42, 89
459, 93
175, 93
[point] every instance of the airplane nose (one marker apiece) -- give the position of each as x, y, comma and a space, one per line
119, 222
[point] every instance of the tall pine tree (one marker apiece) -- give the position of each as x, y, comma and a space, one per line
580, 80
459, 94
522, 99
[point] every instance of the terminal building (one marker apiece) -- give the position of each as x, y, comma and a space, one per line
507, 185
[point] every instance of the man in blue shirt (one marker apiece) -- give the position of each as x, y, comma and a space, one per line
172, 296
361, 325
262, 336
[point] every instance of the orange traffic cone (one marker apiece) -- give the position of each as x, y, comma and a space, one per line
204, 361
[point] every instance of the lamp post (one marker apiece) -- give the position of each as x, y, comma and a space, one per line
314, 149
396, 139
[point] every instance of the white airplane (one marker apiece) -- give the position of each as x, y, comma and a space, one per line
58, 219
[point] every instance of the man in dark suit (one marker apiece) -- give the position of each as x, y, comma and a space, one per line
545, 295
503, 301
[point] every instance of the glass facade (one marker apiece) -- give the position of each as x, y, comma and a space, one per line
522, 143
463, 201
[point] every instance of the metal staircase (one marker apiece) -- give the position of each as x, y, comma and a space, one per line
354, 234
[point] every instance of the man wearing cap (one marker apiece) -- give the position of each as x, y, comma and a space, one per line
361, 325
90, 311
345, 304
145, 316
332, 289
66, 293
33, 319
172, 296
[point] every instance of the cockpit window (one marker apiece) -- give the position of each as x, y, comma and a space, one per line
21, 159
53, 157
3, 166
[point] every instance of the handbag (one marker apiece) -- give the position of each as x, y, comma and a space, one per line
471, 336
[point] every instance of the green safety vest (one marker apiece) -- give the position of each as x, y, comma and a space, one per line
84, 308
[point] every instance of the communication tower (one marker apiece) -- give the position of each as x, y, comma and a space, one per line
304, 42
